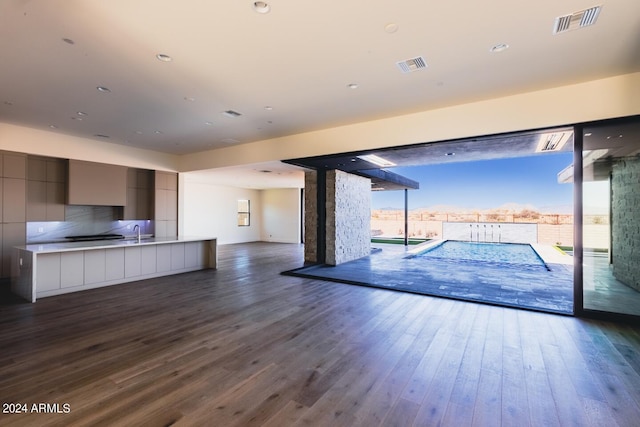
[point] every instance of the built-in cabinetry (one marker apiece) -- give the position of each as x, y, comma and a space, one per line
140, 194
13, 189
96, 184
166, 203
46, 188
38, 189
46, 270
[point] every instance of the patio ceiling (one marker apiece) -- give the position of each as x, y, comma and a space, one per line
613, 138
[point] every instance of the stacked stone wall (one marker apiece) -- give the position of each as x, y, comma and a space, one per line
310, 217
625, 210
348, 217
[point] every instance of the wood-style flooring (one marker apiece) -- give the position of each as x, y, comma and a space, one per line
246, 346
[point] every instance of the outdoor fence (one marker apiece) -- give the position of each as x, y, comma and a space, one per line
552, 229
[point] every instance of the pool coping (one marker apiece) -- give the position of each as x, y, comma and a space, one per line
547, 253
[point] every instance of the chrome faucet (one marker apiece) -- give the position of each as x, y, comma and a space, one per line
137, 228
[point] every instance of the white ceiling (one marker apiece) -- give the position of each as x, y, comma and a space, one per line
297, 59
258, 176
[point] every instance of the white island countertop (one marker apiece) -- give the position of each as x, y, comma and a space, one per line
48, 269
102, 244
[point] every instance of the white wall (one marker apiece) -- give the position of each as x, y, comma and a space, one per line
281, 215
211, 210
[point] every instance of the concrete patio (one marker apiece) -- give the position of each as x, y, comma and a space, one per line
502, 284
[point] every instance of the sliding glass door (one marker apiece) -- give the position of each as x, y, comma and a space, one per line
610, 220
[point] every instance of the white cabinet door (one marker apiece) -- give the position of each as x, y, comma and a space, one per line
94, 266
148, 259
177, 256
132, 262
164, 258
47, 272
193, 255
71, 269
114, 261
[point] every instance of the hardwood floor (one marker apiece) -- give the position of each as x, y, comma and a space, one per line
246, 346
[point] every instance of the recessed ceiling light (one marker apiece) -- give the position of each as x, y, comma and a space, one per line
391, 27
53, 126
588, 134
164, 58
81, 113
157, 132
103, 89
376, 160
268, 108
500, 47
352, 86
208, 123
261, 7
77, 118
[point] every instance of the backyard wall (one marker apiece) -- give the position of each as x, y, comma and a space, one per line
348, 217
625, 223
490, 232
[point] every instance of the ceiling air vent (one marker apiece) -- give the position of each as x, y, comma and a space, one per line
411, 65
231, 113
576, 20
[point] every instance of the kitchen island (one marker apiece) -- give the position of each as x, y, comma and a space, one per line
42, 270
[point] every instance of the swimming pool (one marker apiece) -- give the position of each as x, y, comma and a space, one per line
499, 253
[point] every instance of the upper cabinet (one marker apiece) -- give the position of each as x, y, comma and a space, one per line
139, 195
46, 188
96, 184
166, 204
12, 187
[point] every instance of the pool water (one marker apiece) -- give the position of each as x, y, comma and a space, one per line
503, 253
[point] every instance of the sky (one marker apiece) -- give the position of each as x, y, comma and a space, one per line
486, 184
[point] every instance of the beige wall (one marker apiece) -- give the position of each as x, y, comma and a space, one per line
34, 141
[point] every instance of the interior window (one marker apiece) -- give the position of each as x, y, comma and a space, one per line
243, 213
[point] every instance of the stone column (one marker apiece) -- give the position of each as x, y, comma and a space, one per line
311, 217
347, 210
348, 221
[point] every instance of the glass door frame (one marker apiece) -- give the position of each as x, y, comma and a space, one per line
578, 211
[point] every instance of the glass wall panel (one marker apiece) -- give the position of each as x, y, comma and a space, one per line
610, 218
